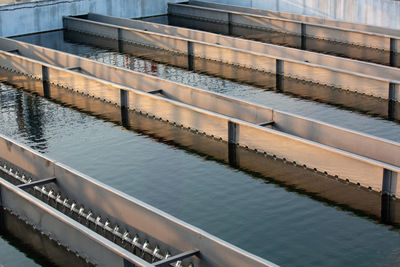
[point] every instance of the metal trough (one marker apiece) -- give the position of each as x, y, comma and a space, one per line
364, 159
356, 77
364, 104
300, 18
101, 224
381, 208
306, 31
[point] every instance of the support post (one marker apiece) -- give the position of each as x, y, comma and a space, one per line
389, 182
303, 37
279, 75
190, 54
120, 42
393, 43
46, 81
230, 26
392, 109
394, 92
128, 263
387, 209
124, 98
124, 108
232, 141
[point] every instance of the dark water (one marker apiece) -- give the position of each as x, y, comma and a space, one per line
259, 213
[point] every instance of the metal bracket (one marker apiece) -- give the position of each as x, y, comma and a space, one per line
155, 92
14, 51
266, 123
37, 183
178, 257
74, 68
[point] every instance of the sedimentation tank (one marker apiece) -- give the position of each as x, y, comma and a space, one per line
265, 129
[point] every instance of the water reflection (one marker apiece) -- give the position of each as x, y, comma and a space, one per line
30, 119
32, 243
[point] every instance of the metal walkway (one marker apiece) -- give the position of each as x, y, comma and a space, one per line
363, 159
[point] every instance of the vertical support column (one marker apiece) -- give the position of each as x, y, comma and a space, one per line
303, 44
232, 141
1, 205
120, 42
393, 51
128, 263
46, 81
190, 54
389, 182
230, 27
124, 108
279, 71
394, 91
124, 98
387, 209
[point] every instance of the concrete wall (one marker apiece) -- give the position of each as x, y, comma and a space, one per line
385, 13
47, 15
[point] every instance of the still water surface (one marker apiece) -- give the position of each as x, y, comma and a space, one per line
283, 226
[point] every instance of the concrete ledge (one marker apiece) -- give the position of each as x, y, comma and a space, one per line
39, 16
383, 13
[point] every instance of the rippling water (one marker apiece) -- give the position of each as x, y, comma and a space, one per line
277, 222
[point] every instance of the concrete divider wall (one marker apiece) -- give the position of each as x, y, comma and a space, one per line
47, 15
384, 13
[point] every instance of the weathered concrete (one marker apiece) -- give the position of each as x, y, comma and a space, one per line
384, 13
30, 17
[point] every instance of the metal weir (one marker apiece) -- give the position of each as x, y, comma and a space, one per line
85, 216
128, 232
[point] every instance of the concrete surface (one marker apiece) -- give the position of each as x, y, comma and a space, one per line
384, 13
26, 16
